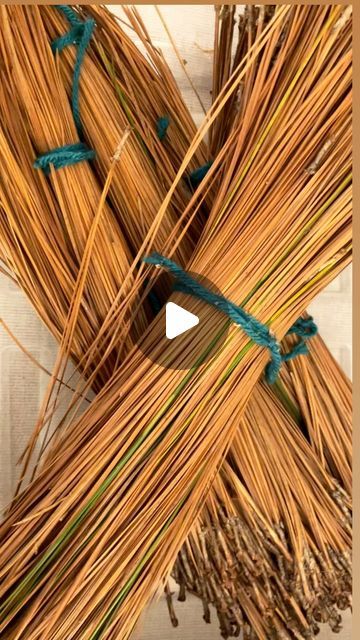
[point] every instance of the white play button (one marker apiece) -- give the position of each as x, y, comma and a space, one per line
209, 330
178, 320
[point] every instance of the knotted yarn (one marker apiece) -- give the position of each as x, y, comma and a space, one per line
255, 330
162, 125
304, 328
196, 176
79, 35
64, 156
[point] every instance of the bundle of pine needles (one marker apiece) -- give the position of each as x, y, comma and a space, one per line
276, 527
96, 342
159, 469
318, 397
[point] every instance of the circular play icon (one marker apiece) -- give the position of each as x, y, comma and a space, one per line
190, 330
178, 320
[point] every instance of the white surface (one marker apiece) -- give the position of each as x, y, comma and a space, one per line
22, 385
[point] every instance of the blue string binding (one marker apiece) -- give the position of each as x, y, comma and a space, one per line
196, 176
304, 328
256, 330
79, 35
162, 125
63, 157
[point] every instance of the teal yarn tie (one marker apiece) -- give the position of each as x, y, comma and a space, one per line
304, 328
69, 13
79, 35
196, 176
63, 157
162, 125
256, 330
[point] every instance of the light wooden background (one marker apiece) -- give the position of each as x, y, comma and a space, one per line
22, 385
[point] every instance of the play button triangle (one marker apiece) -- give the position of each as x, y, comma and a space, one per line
178, 320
